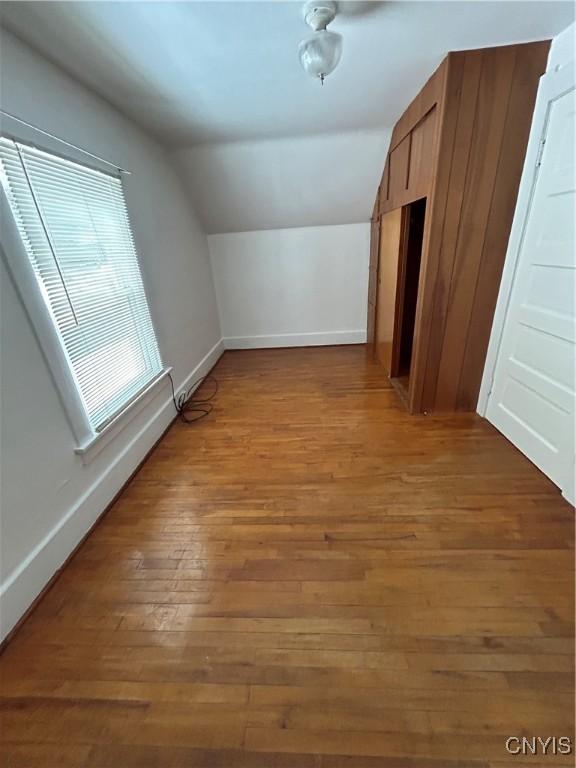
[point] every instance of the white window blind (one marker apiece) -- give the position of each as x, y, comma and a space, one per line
75, 228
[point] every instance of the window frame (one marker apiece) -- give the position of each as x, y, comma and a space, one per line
89, 442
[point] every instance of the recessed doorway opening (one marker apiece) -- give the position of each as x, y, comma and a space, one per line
407, 291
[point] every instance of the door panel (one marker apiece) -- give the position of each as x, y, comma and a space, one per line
533, 393
389, 250
398, 183
422, 156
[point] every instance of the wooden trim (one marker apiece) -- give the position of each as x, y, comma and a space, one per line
407, 178
400, 390
372, 283
400, 287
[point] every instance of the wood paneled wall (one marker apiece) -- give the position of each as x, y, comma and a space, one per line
461, 144
412, 157
490, 97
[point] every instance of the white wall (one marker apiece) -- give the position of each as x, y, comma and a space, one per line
49, 497
292, 287
289, 240
281, 183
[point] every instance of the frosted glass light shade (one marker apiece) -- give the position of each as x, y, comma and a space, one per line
320, 53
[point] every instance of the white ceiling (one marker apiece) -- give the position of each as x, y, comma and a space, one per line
206, 72
303, 181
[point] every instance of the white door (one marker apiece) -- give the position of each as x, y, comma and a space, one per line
531, 398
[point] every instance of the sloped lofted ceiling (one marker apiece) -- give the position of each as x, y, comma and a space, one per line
225, 75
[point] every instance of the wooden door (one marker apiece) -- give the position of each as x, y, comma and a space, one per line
532, 398
386, 294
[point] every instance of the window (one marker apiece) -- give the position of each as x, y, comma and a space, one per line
73, 223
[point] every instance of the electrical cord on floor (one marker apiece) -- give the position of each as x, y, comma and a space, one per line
186, 403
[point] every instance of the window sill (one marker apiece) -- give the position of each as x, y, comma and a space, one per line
99, 440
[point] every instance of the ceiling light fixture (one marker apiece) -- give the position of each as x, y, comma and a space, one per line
320, 52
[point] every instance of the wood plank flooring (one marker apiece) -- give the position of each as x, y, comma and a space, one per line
309, 578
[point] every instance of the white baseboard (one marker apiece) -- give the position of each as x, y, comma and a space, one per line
295, 340
25, 583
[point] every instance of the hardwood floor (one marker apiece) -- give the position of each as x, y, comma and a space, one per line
309, 578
